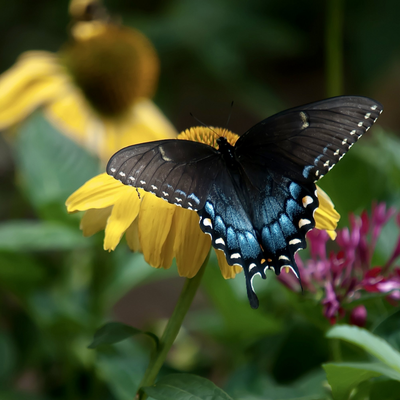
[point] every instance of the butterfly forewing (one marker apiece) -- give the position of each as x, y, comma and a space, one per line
179, 171
304, 143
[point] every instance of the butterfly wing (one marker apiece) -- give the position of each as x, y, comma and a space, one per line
282, 157
282, 213
305, 142
178, 171
258, 229
224, 217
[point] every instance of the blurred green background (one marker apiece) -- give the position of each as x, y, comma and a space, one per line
57, 288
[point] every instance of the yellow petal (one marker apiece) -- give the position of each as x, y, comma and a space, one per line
332, 234
33, 96
124, 212
147, 115
94, 221
155, 221
167, 251
72, 115
227, 271
33, 80
99, 192
326, 217
144, 123
191, 244
29, 67
132, 236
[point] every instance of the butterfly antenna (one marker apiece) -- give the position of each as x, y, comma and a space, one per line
202, 123
197, 120
229, 116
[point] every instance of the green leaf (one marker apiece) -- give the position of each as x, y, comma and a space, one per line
14, 395
8, 357
389, 329
123, 368
369, 342
51, 165
115, 332
185, 387
123, 376
385, 389
36, 235
363, 390
344, 377
19, 272
251, 382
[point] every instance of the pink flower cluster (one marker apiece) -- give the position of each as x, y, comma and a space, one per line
343, 276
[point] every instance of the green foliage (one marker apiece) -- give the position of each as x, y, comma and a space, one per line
123, 366
25, 236
51, 166
25, 277
248, 383
368, 342
58, 288
344, 377
234, 311
185, 387
389, 329
115, 332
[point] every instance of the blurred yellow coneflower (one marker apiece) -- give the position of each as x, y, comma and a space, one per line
96, 89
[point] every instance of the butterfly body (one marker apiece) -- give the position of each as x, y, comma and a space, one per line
228, 154
256, 198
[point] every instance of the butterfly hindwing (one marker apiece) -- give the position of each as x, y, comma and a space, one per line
264, 232
178, 171
304, 143
224, 218
284, 213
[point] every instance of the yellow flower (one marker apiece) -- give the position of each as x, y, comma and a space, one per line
162, 231
95, 90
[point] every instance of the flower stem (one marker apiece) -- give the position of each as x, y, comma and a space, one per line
336, 352
334, 48
172, 329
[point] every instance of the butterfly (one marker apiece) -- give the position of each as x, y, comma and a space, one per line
255, 199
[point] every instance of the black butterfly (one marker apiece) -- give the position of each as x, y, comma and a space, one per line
255, 199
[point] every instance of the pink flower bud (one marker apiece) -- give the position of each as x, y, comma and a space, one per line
358, 316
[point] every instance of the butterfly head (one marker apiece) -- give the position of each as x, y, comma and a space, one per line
222, 141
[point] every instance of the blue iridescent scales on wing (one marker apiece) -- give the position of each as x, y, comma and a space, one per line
264, 232
255, 199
